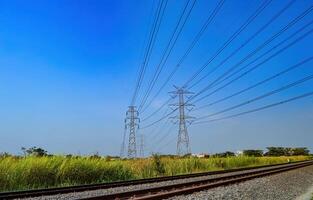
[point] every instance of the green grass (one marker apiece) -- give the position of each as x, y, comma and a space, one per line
42, 172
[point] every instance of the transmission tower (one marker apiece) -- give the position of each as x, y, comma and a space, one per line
141, 146
183, 145
132, 124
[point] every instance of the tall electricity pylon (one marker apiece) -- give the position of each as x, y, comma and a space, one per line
132, 124
183, 145
141, 146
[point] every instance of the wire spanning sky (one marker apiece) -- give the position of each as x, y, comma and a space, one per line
68, 70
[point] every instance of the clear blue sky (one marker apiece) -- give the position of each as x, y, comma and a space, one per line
68, 71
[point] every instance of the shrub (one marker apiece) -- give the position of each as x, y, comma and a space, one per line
250, 152
158, 165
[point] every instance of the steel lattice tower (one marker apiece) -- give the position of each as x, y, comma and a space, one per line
132, 124
183, 145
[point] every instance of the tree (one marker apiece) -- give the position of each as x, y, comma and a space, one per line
5, 154
251, 152
276, 151
34, 151
287, 151
225, 154
300, 151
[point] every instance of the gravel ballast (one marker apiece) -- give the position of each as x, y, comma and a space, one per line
290, 185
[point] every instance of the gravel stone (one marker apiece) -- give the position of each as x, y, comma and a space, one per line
288, 185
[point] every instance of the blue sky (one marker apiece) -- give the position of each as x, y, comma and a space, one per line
68, 71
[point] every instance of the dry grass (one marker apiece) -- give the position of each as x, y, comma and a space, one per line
43, 172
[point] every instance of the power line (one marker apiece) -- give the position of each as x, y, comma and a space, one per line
260, 108
270, 50
275, 54
289, 25
191, 46
256, 66
285, 87
293, 67
243, 74
167, 51
154, 30
260, 30
237, 32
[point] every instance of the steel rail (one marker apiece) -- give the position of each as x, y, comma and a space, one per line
168, 191
89, 187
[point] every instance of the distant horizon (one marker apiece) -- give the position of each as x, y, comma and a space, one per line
148, 154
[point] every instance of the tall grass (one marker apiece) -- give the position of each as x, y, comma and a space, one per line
42, 172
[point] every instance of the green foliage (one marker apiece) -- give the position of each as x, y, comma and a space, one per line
250, 152
300, 151
34, 151
5, 154
286, 151
158, 165
224, 154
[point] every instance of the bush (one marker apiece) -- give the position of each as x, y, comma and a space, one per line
287, 151
158, 165
256, 153
224, 154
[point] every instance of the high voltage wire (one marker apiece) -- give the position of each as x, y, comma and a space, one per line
260, 30
289, 25
281, 50
237, 32
154, 30
293, 67
256, 66
285, 87
191, 46
168, 50
234, 71
305, 95
240, 76
201, 32
271, 49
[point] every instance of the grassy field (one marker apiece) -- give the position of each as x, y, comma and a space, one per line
19, 173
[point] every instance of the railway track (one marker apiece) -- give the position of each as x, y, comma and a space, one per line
166, 191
